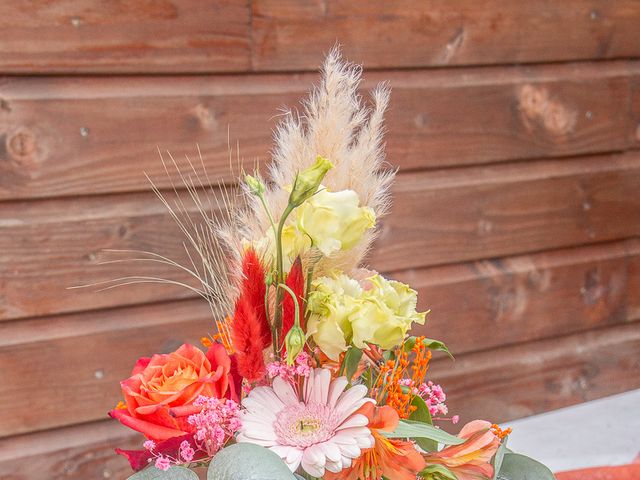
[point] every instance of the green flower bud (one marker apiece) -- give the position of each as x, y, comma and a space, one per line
308, 181
269, 278
294, 341
256, 187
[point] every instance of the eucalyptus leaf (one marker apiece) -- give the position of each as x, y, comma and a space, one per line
520, 467
421, 414
415, 430
174, 473
499, 457
247, 461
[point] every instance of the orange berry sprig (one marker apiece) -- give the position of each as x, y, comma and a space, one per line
223, 336
393, 382
498, 432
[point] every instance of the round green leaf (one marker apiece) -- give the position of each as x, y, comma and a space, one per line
247, 461
174, 473
520, 467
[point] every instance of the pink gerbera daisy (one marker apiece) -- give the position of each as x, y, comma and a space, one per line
321, 431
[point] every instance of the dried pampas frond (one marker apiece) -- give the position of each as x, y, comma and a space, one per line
336, 124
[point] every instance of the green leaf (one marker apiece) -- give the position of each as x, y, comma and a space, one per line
520, 467
421, 414
247, 461
498, 457
174, 473
415, 430
430, 343
437, 472
350, 362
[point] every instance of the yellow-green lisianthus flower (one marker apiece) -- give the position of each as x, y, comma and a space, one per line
344, 312
329, 221
334, 220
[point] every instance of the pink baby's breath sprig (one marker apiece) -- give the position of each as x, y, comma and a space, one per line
162, 462
216, 423
300, 368
432, 394
186, 451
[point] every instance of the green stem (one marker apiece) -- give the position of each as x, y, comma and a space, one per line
295, 303
266, 209
277, 317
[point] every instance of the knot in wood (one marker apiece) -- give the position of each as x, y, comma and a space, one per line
21, 144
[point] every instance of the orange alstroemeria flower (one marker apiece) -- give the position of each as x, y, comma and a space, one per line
397, 459
471, 459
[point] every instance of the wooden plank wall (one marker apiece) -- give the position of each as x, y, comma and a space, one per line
516, 127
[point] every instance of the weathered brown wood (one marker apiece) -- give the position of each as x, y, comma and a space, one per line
79, 452
517, 381
633, 306
48, 247
59, 371
196, 36
492, 303
291, 34
493, 211
475, 307
464, 214
66, 136
134, 36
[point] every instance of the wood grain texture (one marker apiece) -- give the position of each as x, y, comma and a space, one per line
79, 360
62, 136
521, 380
493, 211
48, 247
465, 214
138, 36
475, 307
292, 34
491, 303
78, 452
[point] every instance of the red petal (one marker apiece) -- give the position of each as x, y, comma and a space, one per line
148, 429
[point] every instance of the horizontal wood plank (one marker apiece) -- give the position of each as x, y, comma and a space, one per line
62, 136
48, 247
265, 35
464, 215
78, 452
491, 303
69, 367
293, 34
136, 36
517, 381
475, 307
494, 211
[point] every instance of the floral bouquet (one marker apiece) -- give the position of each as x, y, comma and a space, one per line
311, 371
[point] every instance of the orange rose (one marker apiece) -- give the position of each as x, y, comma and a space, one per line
161, 390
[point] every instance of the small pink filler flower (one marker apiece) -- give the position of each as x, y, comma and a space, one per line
323, 431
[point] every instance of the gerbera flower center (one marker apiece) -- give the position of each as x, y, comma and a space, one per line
303, 425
